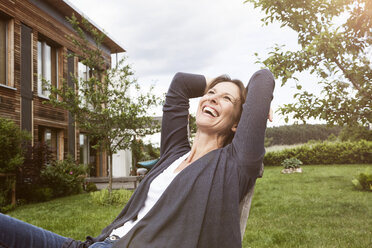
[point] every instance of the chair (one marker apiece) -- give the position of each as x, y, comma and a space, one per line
245, 206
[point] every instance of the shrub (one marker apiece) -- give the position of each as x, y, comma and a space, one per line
40, 193
363, 181
142, 152
103, 197
11, 157
153, 152
29, 177
325, 153
90, 187
291, 163
64, 177
5, 194
11, 139
42, 179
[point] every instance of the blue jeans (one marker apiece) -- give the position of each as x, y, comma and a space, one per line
18, 234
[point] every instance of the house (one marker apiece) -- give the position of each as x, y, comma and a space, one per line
33, 45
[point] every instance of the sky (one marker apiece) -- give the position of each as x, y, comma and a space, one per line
209, 37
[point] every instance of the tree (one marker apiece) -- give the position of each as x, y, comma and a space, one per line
355, 133
102, 105
335, 38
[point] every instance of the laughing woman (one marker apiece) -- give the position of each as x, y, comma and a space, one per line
191, 197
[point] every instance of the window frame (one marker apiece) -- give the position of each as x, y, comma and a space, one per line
42, 67
53, 141
9, 52
85, 147
87, 74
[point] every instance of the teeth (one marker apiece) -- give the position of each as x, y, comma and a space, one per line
210, 111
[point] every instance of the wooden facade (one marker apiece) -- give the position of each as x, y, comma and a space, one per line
34, 41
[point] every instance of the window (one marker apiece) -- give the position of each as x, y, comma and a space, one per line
50, 137
84, 73
6, 55
47, 66
84, 149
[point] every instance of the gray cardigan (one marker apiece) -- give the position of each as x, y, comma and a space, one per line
200, 208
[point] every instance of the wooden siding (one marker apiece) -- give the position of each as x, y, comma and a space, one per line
10, 96
9, 104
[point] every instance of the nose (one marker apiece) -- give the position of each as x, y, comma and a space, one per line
213, 98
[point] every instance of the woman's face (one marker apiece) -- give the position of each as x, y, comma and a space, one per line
218, 109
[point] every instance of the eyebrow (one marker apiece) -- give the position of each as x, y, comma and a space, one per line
234, 100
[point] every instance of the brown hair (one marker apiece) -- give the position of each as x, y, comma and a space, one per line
242, 96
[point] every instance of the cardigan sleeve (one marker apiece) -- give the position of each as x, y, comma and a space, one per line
248, 143
176, 109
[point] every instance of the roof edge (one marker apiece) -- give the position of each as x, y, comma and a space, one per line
114, 46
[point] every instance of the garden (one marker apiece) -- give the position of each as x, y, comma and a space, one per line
316, 208
326, 203
317, 183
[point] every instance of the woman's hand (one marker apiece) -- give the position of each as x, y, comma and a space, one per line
270, 116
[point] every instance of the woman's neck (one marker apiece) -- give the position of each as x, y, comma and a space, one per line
204, 143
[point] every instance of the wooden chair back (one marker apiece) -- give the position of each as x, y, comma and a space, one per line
245, 206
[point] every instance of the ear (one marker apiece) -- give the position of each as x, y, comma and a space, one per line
234, 127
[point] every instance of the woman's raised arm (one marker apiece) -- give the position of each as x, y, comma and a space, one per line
248, 143
176, 109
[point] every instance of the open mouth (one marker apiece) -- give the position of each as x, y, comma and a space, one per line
210, 111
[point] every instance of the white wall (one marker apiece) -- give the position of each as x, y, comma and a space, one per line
122, 162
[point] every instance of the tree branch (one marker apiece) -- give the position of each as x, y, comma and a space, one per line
351, 79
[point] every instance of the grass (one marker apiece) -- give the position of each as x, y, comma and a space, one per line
74, 216
318, 208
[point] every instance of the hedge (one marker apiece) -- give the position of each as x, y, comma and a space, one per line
347, 152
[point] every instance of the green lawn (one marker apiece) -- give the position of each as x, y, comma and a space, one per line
318, 208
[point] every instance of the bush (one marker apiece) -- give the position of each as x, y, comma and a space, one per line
291, 163
41, 179
40, 194
142, 152
6, 194
103, 197
64, 177
90, 187
363, 181
11, 140
11, 157
29, 177
325, 153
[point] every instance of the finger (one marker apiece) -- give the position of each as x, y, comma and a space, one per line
271, 114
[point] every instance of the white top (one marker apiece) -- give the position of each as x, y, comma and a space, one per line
157, 188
